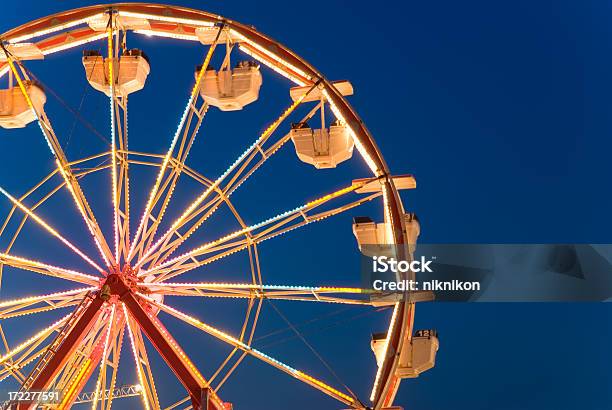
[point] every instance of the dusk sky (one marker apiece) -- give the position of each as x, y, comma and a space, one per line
501, 111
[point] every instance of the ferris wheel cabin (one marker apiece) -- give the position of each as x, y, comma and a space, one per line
231, 90
323, 147
15, 111
130, 71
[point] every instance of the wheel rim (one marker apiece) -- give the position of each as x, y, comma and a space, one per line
43, 32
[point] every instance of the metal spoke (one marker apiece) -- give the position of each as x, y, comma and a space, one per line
50, 229
252, 318
52, 301
235, 349
64, 168
261, 231
223, 194
190, 110
14, 366
109, 395
327, 294
79, 174
82, 364
101, 382
111, 80
178, 403
27, 194
141, 360
301, 376
196, 203
44, 333
123, 185
119, 151
46, 269
166, 190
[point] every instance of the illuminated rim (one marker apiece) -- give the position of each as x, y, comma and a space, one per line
69, 29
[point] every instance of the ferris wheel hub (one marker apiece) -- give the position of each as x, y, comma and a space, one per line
118, 284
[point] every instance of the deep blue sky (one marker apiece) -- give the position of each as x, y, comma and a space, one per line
501, 110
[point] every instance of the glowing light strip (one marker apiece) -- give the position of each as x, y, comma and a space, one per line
385, 352
264, 136
53, 29
20, 364
43, 333
249, 286
364, 154
168, 19
126, 187
273, 67
388, 230
196, 251
71, 391
44, 298
26, 310
111, 80
299, 209
162, 170
145, 399
333, 195
243, 346
323, 386
50, 229
270, 54
61, 272
246, 291
165, 34
103, 361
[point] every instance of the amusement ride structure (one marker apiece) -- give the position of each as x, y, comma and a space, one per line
119, 301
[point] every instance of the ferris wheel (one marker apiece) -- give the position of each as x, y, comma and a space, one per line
125, 296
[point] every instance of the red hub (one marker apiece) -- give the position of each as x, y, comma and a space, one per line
121, 287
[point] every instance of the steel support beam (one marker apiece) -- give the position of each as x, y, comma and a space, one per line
65, 350
201, 396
